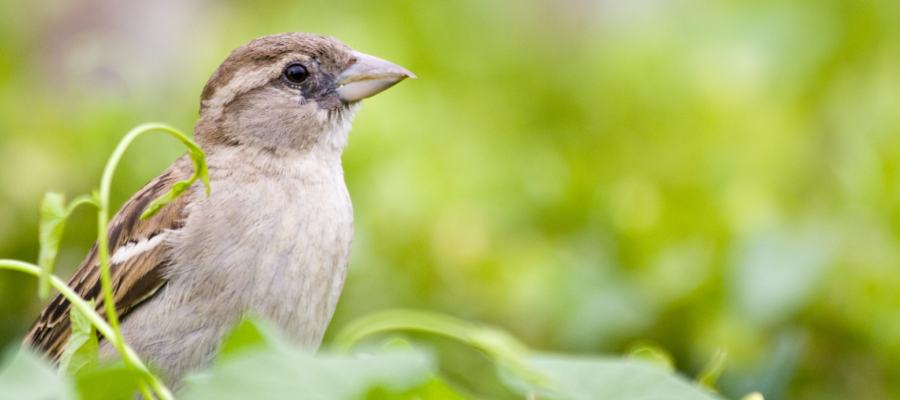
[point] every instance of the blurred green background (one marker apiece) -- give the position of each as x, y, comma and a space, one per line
589, 175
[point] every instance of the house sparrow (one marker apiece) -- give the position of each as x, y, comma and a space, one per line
272, 240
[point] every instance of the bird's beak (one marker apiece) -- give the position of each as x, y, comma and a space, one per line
368, 76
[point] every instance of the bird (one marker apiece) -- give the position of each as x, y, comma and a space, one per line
271, 240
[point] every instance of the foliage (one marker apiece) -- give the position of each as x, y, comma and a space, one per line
81, 351
26, 377
255, 361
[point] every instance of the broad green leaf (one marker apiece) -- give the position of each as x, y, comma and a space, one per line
53, 220
298, 374
108, 382
280, 371
585, 378
25, 376
81, 349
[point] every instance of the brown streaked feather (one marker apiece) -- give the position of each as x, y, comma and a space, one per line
133, 280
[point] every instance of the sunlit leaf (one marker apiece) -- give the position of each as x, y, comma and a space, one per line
25, 376
108, 382
81, 349
587, 378
298, 374
54, 213
53, 221
258, 365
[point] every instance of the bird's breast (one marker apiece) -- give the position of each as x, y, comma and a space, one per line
275, 246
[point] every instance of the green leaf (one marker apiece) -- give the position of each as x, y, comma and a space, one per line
53, 220
248, 335
506, 351
467, 368
177, 190
25, 376
433, 389
54, 213
289, 374
108, 382
712, 370
281, 371
81, 349
586, 378
653, 354
201, 172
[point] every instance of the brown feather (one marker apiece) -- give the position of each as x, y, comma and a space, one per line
133, 280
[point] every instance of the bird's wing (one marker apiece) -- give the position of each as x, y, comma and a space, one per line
139, 255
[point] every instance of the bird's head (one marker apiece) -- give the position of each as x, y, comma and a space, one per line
290, 91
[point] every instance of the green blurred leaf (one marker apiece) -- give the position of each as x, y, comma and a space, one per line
54, 213
250, 370
713, 370
81, 349
108, 382
293, 374
433, 389
775, 272
653, 354
249, 334
467, 369
53, 221
25, 376
585, 378
506, 351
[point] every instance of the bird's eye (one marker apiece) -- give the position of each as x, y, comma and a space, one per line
296, 73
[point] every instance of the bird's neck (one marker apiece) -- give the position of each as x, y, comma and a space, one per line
251, 163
